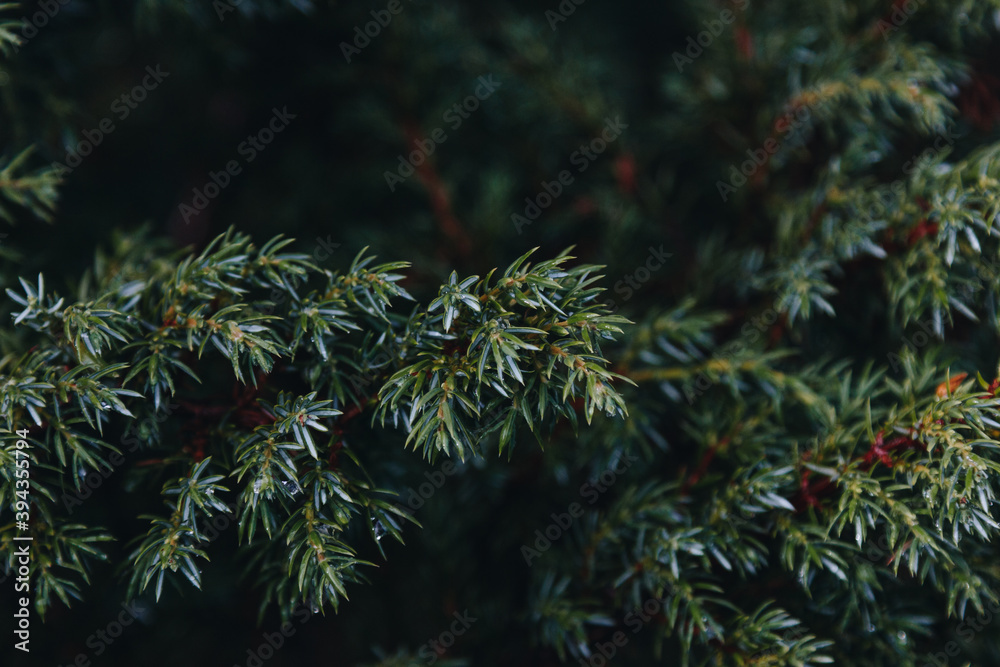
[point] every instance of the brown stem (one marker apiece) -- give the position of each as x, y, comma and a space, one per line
702, 468
440, 201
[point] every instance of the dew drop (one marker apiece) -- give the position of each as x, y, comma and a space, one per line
379, 530
901, 636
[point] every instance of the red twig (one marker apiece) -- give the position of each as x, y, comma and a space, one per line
813, 221
706, 459
881, 451
148, 462
440, 201
979, 99
352, 412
